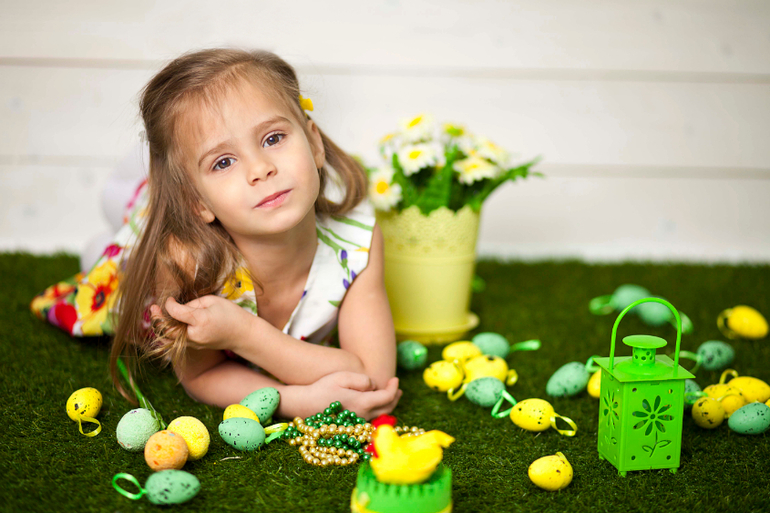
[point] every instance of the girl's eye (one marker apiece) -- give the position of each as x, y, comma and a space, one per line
273, 139
223, 161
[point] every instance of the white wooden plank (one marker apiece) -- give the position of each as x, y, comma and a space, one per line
687, 35
92, 114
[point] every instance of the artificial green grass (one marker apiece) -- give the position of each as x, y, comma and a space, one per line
46, 465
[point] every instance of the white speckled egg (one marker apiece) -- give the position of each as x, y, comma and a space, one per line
135, 428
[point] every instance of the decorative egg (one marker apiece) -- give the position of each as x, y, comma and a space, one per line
715, 354
753, 389
86, 402
743, 321
171, 487
240, 411
492, 344
242, 434
532, 414
752, 419
194, 433
595, 384
691, 393
627, 294
732, 403
654, 314
460, 352
135, 428
708, 413
443, 375
166, 450
721, 390
263, 402
570, 379
411, 355
484, 391
551, 472
483, 366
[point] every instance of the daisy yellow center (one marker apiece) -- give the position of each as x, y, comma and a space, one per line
473, 166
415, 122
382, 187
414, 154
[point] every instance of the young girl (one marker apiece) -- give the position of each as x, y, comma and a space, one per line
233, 256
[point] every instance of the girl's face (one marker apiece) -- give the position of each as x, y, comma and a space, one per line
254, 165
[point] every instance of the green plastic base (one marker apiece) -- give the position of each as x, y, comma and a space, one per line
432, 496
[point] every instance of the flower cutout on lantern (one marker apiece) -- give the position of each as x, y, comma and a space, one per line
383, 194
610, 409
417, 128
475, 168
652, 416
415, 157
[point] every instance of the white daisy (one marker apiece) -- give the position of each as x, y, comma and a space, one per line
475, 168
417, 128
414, 157
454, 130
491, 151
383, 194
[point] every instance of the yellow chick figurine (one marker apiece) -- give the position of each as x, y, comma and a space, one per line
407, 459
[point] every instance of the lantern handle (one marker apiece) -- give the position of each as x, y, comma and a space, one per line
647, 300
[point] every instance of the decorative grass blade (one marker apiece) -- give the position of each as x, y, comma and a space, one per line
439, 189
143, 402
512, 174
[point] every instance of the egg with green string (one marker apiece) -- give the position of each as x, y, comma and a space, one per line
752, 419
135, 428
443, 375
570, 379
411, 355
691, 393
484, 391
171, 487
627, 294
715, 355
654, 314
242, 434
492, 344
263, 402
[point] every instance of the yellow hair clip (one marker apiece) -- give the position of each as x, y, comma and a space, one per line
306, 103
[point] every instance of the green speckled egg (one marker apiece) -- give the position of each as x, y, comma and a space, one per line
752, 419
171, 487
570, 379
412, 355
492, 344
653, 314
691, 389
627, 294
242, 434
135, 428
484, 391
263, 402
715, 354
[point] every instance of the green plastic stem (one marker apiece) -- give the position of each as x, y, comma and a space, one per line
678, 329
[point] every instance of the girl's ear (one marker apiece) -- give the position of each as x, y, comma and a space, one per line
206, 214
317, 143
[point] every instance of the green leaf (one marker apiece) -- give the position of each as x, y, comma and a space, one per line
512, 174
438, 191
408, 191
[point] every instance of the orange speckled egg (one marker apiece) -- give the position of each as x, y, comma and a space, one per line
166, 450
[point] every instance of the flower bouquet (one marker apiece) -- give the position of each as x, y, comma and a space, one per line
428, 198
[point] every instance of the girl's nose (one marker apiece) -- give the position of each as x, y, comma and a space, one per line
261, 170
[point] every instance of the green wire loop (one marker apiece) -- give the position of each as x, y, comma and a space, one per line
694, 357
504, 396
527, 345
126, 493
590, 365
601, 305
143, 401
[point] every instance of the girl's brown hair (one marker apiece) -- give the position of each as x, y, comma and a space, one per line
194, 258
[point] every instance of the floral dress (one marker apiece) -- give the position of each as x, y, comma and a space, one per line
80, 305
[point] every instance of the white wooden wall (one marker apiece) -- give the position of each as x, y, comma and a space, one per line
653, 116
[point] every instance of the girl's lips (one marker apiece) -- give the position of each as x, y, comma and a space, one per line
274, 200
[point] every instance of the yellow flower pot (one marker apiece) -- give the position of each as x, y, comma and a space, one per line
429, 265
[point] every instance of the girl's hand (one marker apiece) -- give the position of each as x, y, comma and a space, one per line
355, 391
212, 322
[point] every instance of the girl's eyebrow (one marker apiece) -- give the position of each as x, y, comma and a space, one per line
257, 128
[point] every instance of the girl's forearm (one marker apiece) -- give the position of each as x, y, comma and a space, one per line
292, 361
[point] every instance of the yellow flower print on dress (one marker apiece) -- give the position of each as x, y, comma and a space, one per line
238, 285
95, 297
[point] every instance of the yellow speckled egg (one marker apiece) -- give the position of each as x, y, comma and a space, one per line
732, 403
532, 414
195, 435
443, 375
85, 402
742, 321
485, 366
166, 450
753, 389
551, 472
708, 413
595, 384
721, 390
239, 411
460, 351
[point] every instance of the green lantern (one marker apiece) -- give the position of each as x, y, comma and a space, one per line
642, 402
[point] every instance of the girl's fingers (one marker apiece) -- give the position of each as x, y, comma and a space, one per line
385, 396
181, 313
386, 409
355, 381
